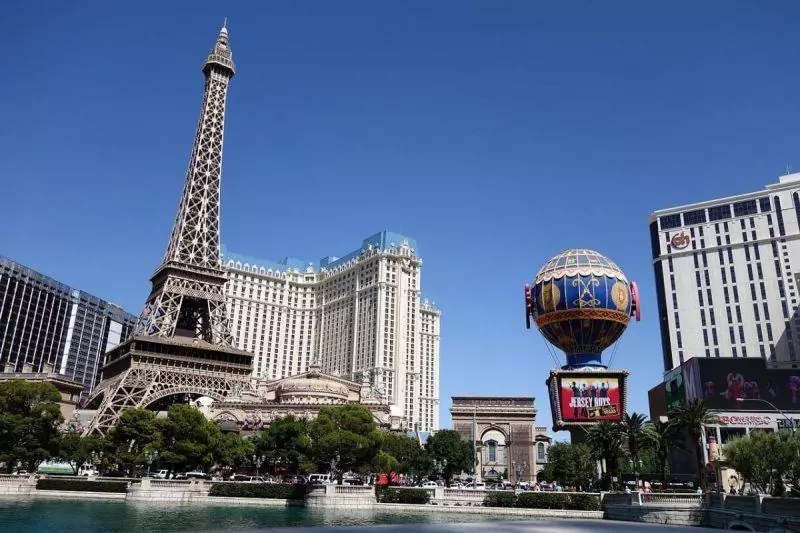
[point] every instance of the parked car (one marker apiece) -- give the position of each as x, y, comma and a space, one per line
161, 474
319, 479
429, 485
196, 474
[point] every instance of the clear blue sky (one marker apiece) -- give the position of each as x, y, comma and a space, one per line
496, 133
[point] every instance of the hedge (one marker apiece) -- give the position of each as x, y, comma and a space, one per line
419, 496
81, 485
544, 500
258, 490
500, 499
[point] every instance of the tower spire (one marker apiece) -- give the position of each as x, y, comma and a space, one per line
187, 298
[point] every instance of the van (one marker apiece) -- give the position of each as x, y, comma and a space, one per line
319, 479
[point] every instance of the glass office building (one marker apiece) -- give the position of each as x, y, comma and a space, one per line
47, 326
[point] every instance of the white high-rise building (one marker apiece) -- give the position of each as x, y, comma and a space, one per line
359, 316
727, 274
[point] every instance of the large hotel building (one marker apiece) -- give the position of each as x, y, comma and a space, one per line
359, 316
48, 327
727, 274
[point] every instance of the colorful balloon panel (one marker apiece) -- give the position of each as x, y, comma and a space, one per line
581, 302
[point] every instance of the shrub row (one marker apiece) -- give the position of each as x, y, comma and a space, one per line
420, 496
258, 490
81, 485
544, 500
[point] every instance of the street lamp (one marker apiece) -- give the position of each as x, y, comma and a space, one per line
519, 469
149, 457
636, 466
791, 422
439, 466
96, 457
258, 460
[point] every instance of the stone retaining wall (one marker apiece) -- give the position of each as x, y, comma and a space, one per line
687, 516
341, 496
476, 510
78, 495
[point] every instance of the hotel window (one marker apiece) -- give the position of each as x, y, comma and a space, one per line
694, 217
748, 207
540, 452
670, 221
779, 214
765, 207
720, 212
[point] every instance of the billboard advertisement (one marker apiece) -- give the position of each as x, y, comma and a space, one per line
739, 384
586, 397
674, 389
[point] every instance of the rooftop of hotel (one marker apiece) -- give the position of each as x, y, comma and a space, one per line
55, 285
784, 182
382, 241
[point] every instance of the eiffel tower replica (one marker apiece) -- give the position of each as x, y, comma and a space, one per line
182, 343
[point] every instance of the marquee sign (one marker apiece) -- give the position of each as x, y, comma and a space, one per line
585, 397
746, 420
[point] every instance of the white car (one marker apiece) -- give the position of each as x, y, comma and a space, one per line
429, 485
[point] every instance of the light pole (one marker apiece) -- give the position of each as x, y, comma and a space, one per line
149, 457
791, 422
519, 469
258, 460
439, 466
635, 466
97, 457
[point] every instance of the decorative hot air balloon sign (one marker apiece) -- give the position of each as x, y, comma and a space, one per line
582, 302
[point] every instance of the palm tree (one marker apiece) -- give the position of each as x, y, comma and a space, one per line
694, 415
660, 437
632, 430
605, 440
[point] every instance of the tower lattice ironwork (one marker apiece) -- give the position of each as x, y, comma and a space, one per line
182, 343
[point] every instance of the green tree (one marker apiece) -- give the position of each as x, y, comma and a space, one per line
286, 443
77, 450
570, 465
404, 449
693, 416
605, 441
632, 429
386, 463
661, 437
344, 438
190, 441
29, 419
136, 429
763, 459
234, 451
450, 453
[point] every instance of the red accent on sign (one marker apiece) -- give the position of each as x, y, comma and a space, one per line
680, 241
528, 306
636, 309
